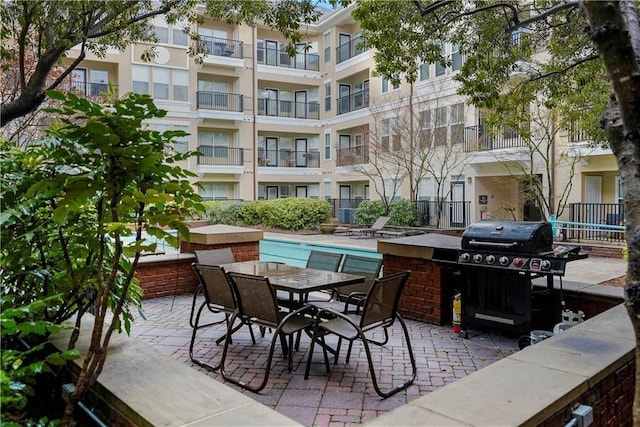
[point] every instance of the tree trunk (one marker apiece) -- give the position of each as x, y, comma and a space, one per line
614, 29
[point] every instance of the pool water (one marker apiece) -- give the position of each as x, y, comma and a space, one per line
296, 253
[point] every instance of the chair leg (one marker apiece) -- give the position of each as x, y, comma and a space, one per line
374, 379
193, 338
193, 305
315, 336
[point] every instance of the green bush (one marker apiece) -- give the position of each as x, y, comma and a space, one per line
369, 211
224, 212
249, 213
402, 214
294, 213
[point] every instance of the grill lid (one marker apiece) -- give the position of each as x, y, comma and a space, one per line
520, 237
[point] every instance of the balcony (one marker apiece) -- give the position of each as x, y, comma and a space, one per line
353, 102
289, 158
215, 155
279, 58
476, 138
289, 109
219, 101
221, 47
86, 89
353, 156
349, 50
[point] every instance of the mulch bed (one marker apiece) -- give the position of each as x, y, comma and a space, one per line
618, 282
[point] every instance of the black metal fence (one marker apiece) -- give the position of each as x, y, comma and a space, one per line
429, 213
221, 47
215, 155
220, 101
291, 109
595, 221
349, 50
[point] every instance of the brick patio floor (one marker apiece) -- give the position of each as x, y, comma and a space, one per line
346, 395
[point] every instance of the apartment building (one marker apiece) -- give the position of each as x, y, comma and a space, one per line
269, 125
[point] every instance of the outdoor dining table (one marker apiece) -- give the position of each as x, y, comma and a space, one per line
295, 280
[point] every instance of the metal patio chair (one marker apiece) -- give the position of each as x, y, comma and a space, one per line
219, 298
217, 256
380, 310
257, 303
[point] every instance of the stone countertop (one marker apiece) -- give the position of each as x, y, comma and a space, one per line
420, 246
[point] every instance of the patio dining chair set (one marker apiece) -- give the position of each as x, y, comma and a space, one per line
348, 313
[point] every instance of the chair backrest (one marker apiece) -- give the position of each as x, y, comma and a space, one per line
214, 256
256, 298
381, 305
369, 267
328, 261
216, 286
380, 223
362, 265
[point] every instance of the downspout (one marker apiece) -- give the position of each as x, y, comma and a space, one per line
254, 76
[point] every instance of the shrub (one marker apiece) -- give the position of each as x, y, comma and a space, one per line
223, 212
294, 213
249, 213
369, 211
402, 214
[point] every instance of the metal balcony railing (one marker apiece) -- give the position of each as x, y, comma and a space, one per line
87, 89
221, 47
219, 101
292, 109
289, 158
353, 156
217, 155
477, 138
353, 102
349, 50
280, 58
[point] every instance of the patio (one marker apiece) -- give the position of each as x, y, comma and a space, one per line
346, 395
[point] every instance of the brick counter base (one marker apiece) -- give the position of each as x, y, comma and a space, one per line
249, 251
167, 278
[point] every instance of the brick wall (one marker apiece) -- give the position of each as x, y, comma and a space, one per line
248, 251
611, 400
423, 298
169, 277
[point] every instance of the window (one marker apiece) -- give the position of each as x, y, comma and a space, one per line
160, 82
180, 37
440, 124
391, 189
162, 33
327, 47
390, 134
214, 191
140, 75
327, 96
327, 146
181, 144
457, 123
388, 86
441, 66
164, 83
424, 121
180, 85
424, 71
456, 57
214, 144
327, 189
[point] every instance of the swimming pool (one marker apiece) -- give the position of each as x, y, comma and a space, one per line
296, 253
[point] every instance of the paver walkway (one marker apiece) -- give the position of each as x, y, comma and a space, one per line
343, 397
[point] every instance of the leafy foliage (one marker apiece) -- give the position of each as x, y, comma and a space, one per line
369, 211
400, 213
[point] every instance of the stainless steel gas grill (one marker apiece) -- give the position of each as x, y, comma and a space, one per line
498, 260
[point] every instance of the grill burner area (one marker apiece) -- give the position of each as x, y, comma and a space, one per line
498, 260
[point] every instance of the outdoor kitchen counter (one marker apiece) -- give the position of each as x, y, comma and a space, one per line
420, 246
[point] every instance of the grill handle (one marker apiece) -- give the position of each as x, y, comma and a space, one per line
493, 244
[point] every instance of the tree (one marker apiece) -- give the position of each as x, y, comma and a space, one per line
74, 209
50, 29
601, 62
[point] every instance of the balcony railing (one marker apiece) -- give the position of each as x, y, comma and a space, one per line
217, 155
353, 102
221, 47
279, 58
289, 158
219, 101
349, 50
87, 89
292, 109
353, 156
477, 138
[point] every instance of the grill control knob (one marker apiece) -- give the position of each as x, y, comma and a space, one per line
465, 257
504, 260
477, 258
546, 264
518, 262
491, 259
